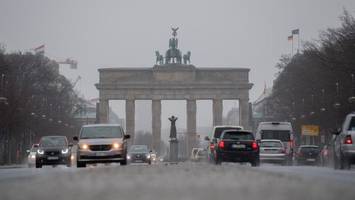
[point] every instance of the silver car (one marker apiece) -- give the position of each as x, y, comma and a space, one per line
344, 146
273, 151
101, 143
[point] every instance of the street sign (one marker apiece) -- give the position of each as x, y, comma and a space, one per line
310, 130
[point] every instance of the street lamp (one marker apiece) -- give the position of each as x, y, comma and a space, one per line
352, 98
3, 99
322, 109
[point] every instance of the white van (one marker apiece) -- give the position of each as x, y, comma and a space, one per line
278, 131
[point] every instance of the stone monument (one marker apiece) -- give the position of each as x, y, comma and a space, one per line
173, 156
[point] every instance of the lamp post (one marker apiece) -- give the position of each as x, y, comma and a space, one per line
3, 99
352, 98
337, 104
323, 109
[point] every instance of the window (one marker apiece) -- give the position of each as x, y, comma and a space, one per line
271, 144
352, 124
283, 135
237, 135
53, 142
101, 132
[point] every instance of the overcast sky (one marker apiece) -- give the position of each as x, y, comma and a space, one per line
117, 33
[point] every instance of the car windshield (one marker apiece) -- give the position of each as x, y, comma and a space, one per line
53, 142
283, 135
219, 130
270, 144
101, 132
352, 124
309, 149
237, 135
138, 149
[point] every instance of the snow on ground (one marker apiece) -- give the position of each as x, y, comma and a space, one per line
183, 181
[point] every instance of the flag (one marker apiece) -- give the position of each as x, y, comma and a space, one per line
40, 49
290, 38
296, 32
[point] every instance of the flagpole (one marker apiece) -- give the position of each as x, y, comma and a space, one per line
292, 48
298, 48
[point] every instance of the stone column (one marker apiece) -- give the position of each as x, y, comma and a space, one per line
156, 124
130, 118
244, 113
217, 112
102, 111
191, 124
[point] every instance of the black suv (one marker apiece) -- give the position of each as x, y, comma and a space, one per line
53, 150
237, 146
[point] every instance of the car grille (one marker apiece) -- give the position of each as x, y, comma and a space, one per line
101, 157
52, 153
101, 147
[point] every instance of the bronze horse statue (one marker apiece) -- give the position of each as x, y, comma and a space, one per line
186, 57
160, 58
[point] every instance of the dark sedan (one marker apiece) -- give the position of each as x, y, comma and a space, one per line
308, 154
139, 154
53, 150
237, 146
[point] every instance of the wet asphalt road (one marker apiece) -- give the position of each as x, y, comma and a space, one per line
181, 181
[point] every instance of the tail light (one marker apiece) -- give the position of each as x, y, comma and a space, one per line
254, 145
221, 144
212, 146
348, 140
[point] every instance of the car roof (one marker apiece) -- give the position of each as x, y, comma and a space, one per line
102, 125
271, 140
54, 136
308, 146
228, 126
233, 130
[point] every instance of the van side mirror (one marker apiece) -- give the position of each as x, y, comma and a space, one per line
75, 138
126, 137
207, 138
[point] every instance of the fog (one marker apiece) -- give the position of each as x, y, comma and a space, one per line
224, 33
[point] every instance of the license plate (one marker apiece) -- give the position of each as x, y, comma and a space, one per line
52, 158
100, 154
138, 161
311, 159
238, 146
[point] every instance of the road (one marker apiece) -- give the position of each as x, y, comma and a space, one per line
179, 181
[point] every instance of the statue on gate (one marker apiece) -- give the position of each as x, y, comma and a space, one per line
173, 126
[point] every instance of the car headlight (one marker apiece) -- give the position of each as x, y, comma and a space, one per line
116, 145
40, 151
148, 156
128, 157
65, 151
33, 156
84, 147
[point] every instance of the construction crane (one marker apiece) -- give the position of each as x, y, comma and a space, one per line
72, 63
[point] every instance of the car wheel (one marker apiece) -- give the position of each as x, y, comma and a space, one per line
123, 162
80, 164
255, 163
38, 165
217, 160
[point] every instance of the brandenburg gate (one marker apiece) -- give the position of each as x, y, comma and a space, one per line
174, 78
